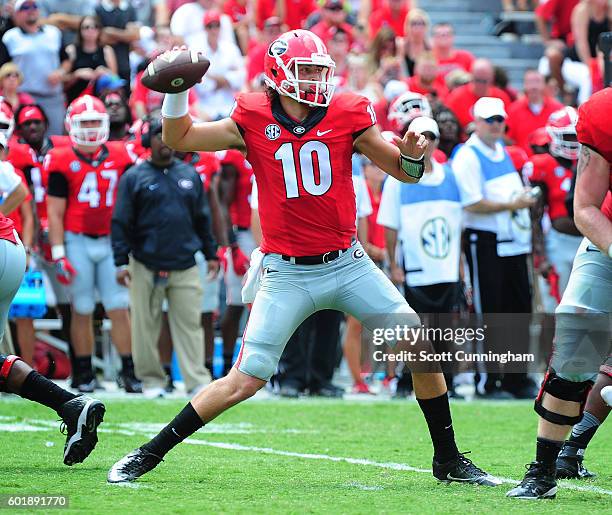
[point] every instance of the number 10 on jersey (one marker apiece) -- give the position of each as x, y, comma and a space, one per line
306, 156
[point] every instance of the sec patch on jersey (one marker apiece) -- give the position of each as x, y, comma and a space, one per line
175, 71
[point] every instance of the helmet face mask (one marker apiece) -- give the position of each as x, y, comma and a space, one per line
406, 108
87, 122
561, 127
292, 64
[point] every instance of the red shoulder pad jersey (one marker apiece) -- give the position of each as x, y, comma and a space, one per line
25, 158
594, 131
303, 171
240, 208
544, 169
92, 185
206, 164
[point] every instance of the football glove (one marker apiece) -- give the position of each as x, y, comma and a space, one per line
64, 271
239, 260
222, 256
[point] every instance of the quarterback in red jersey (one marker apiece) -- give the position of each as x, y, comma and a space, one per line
234, 185
582, 319
299, 138
81, 194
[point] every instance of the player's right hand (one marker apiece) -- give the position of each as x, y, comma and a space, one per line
397, 274
64, 271
123, 277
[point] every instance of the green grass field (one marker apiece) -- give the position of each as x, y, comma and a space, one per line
303, 456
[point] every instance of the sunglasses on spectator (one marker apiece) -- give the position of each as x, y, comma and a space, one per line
418, 23
430, 136
89, 27
213, 25
494, 119
335, 8
482, 81
28, 7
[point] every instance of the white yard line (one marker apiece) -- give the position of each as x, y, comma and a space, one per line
138, 429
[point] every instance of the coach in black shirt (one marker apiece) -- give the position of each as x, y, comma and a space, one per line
161, 219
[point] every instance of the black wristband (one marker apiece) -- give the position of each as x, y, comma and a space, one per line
412, 167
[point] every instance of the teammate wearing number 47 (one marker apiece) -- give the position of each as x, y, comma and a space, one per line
299, 138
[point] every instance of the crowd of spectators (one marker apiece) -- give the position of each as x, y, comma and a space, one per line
52, 52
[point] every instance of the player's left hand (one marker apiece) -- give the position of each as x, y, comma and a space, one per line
412, 144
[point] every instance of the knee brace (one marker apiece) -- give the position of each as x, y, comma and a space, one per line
256, 362
565, 390
6, 363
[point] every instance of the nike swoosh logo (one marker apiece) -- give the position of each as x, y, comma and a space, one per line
448, 476
174, 431
323, 133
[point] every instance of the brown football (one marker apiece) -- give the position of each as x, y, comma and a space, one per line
175, 71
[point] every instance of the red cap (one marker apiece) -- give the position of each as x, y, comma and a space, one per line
211, 16
539, 137
30, 113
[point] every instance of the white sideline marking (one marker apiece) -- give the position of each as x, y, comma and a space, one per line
309, 456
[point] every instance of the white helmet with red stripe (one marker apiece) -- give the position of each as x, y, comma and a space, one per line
561, 127
282, 62
7, 119
407, 107
87, 121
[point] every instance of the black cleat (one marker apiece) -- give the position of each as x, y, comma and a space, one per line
131, 467
569, 464
539, 483
129, 382
462, 470
81, 417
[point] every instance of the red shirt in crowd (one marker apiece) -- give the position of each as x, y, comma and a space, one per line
383, 16
522, 121
306, 196
235, 9
458, 60
296, 12
559, 13
462, 99
437, 90
324, 30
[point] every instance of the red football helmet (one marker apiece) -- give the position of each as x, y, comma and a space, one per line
79, 117
561, 127
7, 119
407, 107
282, 64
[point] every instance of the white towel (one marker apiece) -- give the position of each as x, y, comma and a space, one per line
253, 277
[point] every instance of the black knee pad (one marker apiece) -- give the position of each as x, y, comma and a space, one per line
6, 363
565, 390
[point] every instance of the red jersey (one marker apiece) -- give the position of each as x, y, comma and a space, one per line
304, 171
556, 180
295, 12
559, 12
15, 215
522, 121
462, 99
89, 185
206, 164
7, 229
376, 232
240, 208
594, 131
25, 158
458, 60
